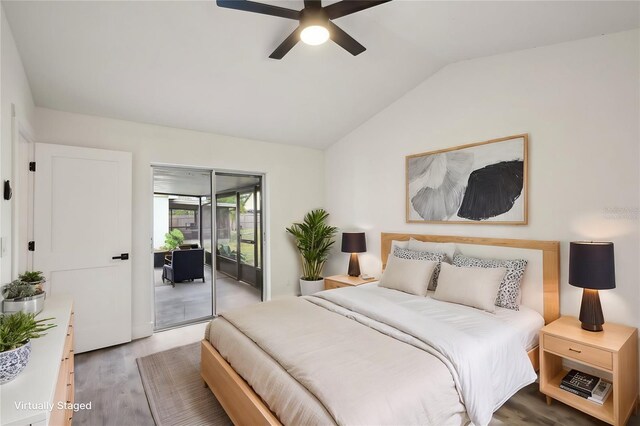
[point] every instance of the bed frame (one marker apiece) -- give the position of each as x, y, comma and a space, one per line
245, 407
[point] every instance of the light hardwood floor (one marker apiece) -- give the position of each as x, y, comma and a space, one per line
109, 378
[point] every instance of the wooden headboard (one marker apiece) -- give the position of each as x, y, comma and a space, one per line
550, 261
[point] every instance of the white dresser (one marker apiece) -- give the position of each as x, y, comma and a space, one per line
47, 381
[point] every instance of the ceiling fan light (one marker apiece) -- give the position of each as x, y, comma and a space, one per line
314, 35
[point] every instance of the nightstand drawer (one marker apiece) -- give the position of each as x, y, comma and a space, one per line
579, 352
330, 284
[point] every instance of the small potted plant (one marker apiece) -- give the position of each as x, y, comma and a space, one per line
172, 240
20, 296
34, 278
16, 332
314, 239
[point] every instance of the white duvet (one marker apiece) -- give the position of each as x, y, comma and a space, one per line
484, 354
415, 361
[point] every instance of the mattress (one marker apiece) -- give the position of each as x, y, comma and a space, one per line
293, 403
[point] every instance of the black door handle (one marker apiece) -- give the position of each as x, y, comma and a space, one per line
123, 256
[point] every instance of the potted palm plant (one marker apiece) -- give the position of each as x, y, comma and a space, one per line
314, 239
16, 332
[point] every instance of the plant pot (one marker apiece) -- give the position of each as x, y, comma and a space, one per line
31, 305
310, 287
13, 362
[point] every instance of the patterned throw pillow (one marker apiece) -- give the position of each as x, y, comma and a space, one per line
510, 285
423, 255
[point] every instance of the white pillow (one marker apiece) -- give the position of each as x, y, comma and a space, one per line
509, 292
448, 248
423, 255
408, 275
475, 287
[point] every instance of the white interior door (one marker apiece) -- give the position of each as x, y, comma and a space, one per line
82, 223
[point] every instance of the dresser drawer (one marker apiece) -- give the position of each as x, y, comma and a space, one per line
330, 284
579, 352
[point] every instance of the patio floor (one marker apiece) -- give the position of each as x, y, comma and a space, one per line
192, 300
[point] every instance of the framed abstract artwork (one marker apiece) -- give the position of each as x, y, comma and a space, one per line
483, 183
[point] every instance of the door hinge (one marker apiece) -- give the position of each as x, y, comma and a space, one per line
31, 246
32, 166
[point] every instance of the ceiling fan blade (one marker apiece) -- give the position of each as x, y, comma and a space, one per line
344, 8
343, 39
265, 9
287, 44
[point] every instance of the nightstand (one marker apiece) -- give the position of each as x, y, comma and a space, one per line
611, 354
337, 281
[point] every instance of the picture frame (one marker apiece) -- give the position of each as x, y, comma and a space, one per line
478, 183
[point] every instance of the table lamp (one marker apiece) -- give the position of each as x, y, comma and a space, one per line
354, 243
591, 267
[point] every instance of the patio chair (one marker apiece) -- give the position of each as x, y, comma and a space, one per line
185, 265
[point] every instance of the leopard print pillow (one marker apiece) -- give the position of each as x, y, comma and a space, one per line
423, 255
509, 287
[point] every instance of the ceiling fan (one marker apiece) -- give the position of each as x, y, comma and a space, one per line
315, 25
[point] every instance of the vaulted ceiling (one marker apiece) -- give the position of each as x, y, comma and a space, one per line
197, 66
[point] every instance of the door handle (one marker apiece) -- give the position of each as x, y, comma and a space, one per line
123, 256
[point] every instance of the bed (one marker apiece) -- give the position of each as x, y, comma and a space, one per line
311, 361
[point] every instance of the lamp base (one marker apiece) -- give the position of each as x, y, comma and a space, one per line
354, 265
591, 315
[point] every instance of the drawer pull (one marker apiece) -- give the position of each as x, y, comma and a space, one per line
575, 350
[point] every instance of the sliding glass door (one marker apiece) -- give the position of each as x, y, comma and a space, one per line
208, 248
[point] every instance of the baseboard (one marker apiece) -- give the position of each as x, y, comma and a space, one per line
141, 330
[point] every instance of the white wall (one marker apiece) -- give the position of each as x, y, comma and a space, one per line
160, 219
579, 102
14, 90
294, 184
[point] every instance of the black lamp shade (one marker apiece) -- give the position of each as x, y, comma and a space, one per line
353, 242
591, 265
